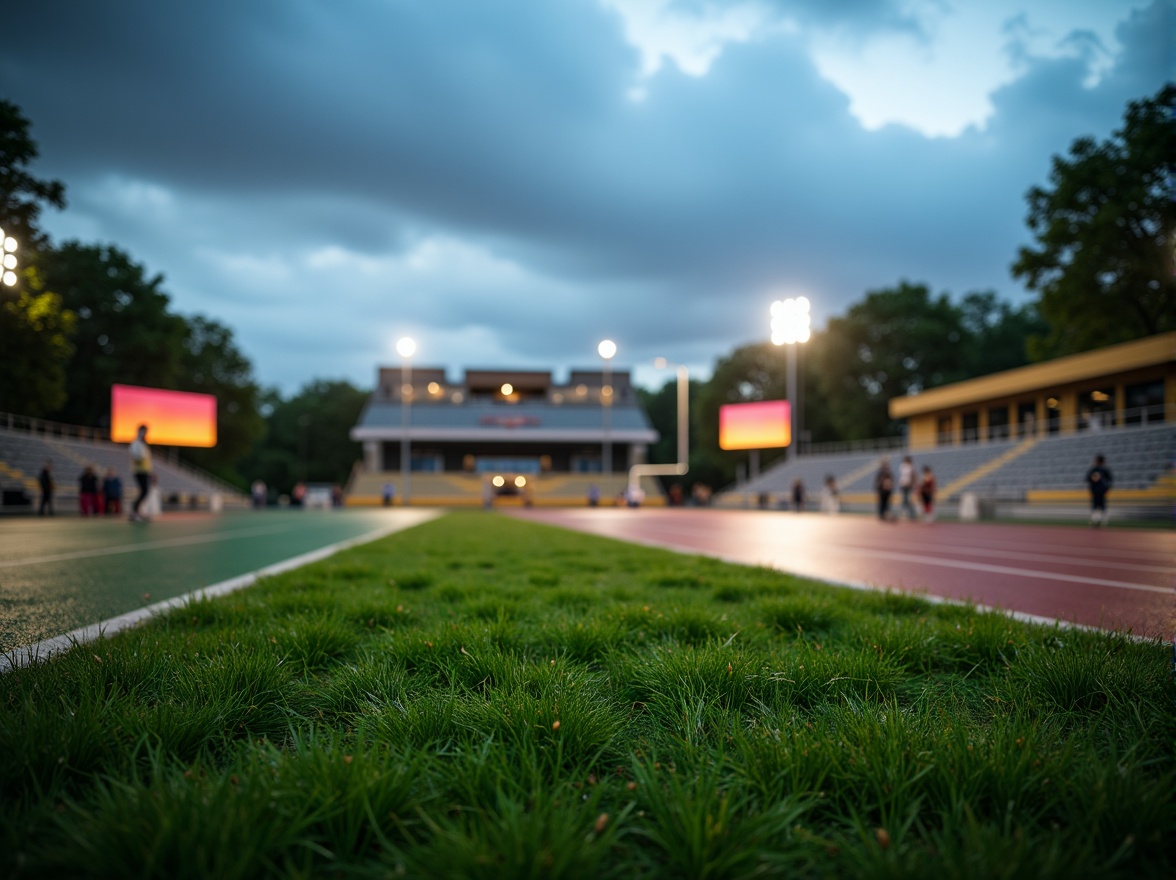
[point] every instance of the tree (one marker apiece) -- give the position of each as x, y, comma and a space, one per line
35, 348
1105, 231
307, 437
996, 333
749, 373
124, 334
212, 364
896, 341
22, 195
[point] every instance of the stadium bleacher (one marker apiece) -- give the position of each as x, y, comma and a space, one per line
1049, 468
22, 455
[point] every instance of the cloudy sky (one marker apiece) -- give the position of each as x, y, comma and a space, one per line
509, 181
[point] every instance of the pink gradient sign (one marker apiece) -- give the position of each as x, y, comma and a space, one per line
764, 424
173, 418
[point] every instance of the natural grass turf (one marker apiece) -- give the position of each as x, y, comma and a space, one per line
480, 697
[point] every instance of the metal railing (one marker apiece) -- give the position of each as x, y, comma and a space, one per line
51, 430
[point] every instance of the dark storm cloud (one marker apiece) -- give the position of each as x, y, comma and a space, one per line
370, 126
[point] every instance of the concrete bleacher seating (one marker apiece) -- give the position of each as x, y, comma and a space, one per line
1048, 469
22, 456
1138, 457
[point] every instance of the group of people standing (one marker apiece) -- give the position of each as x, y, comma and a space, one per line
910, 484
103, 497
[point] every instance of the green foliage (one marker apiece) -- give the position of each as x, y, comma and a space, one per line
124, 334
896, 341
21, 194
307, 436
1105, 233
425, 706
35, 330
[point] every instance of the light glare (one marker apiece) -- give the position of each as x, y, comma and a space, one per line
406, 346
607, 349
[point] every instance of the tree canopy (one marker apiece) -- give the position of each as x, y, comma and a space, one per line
22, 194
1105, 232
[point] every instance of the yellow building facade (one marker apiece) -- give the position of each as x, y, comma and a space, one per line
1126, 384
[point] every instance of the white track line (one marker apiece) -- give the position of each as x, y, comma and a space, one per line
205, 538
46, 648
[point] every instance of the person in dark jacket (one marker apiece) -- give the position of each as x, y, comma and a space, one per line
88, 492
112, 493
1099, 481
45, 480
884, 486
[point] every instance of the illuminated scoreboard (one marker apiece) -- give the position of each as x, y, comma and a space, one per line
761, 425
173, 418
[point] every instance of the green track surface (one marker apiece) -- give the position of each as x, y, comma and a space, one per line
61, 573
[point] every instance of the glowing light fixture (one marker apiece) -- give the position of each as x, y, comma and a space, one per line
499, 481
507, 389
791, 322
8, 245
406, 346
520, 482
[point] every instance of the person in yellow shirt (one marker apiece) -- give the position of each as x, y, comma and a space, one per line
141, 467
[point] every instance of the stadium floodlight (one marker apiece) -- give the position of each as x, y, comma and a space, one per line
791, 325
406, 348
607, 350
8, 261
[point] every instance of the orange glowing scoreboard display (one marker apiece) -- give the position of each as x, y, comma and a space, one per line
173, 418
764, 424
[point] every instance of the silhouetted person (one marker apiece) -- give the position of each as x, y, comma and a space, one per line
141, 468
884, 486
798, 495
1099, 481
112, 493
927, 493
906, 485
45, 480
88, 492
830, 496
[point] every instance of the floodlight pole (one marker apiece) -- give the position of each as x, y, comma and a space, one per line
607, 350
793, 404
791, 326
405, 347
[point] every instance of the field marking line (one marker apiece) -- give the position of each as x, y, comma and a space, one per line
46, 648
203, 538
772, 563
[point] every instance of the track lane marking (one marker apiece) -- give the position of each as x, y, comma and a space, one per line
203, 538
46, 648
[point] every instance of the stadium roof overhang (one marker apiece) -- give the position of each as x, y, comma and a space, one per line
1139, 354
503, 435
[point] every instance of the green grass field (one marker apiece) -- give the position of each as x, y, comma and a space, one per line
481, 697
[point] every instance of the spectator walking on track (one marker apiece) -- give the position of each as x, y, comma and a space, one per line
1099, 481
141, 467
927, 494
906, 485
45, 480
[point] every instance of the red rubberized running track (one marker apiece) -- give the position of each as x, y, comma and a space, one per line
1111, 578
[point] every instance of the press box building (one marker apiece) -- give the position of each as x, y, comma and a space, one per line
501, 423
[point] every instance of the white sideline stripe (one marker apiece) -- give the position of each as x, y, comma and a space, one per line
205, 538
1022, 616
46, 648
1005, 569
